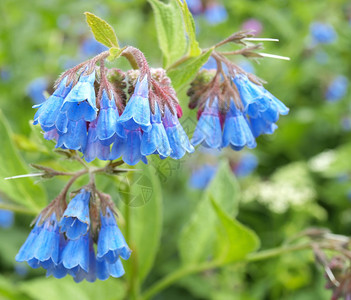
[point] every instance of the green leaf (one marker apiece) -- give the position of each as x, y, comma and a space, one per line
194, 49
66, 288
198, 236
185, 72
114, 53
234, 240
103, 32
23, 190
144, 222
170, 30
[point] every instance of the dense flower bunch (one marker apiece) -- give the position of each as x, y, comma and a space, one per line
62, 240
234, 108
108, 114
87, 112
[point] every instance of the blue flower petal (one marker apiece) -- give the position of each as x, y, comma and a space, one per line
42, 245
208, 131
76, 255
75, 221
260, 126
89, 275
76, 136
107, 120
131, 147
47, 113
83, 91
111, 243
62, 122
27, 250
82, 110
156, 141
116, 269
177, 137
137, 112
94, 146
236, 131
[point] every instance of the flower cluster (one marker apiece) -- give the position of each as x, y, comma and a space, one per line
87, 112
64, 243
234, 109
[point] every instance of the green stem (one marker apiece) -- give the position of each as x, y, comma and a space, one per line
185, 271
18, 209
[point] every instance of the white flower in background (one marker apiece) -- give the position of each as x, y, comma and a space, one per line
289, 186
322, 161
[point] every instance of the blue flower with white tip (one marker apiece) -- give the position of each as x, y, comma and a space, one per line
75, 221
177, 138
65, 114
41, 248
111, 244
156, 141
261, 107
108, 127
137, 112
78, 108
75, 256
208, 131
48, 111
237, 132
95, 147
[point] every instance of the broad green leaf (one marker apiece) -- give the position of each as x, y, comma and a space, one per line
144, 221
66, 288
170, 30
185, 72
103, 32
234, 240
198, 236
194, 49
22, 191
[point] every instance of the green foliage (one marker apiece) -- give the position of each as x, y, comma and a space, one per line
194, 48
23, 191
144, 223
170, 30
66, 288
103, 32
199, 235
182, 74
234, 241
307, 156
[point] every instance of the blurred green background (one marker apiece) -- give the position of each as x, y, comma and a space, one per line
304, 168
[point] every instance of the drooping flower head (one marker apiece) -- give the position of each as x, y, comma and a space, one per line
234, 108
150, 111
65, 244
65, 114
